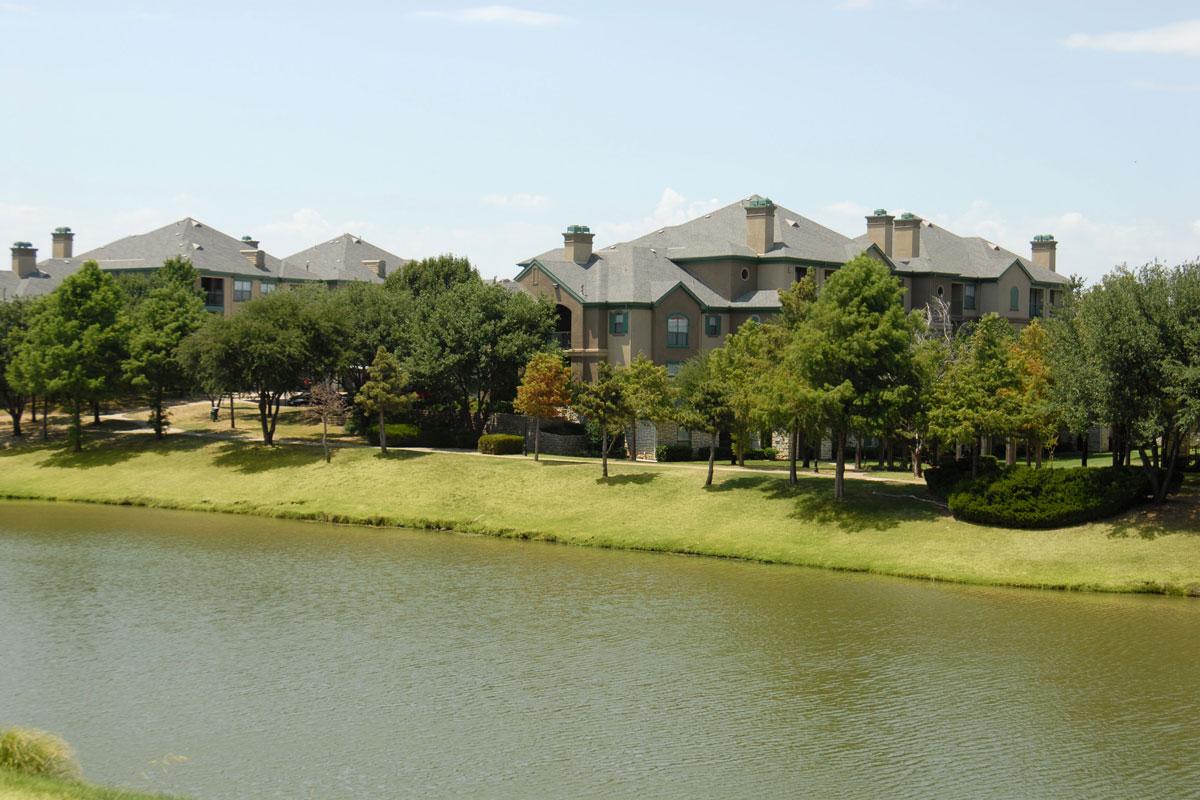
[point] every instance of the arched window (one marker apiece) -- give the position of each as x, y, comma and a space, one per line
941, 292
1014, 299
677, 330
562, 327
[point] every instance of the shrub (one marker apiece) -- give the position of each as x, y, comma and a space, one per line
32, 752
399, 434
1022, 497
501, 444
674, 452
771, 453
723, 453
944, 478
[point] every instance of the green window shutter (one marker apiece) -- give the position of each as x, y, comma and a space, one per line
712, 325
618, 323
1014, 299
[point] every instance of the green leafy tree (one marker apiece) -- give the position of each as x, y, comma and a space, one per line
703, 404
374, 317
210, 364
170, 312
430, 277
648, 393
383, 393
14, 326
979, 394
603, 401
739, 367
1075, 375
544, 391
788, 401
1038, 417
468, 343
856, 347
79, 331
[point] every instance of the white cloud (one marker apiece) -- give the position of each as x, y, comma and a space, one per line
15, 8
495, 14
1176, 38
672, 209
848, 208
304, 228
518, 200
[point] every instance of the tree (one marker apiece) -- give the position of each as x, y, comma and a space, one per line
14, 327
468, 343
703, 405
856, 349
648, 393
1037, 415
979, 394
545, 389
603, 401
78, 333
789, 402
738, 368
383, 393
430, 277
170, 312
374, 318
1075, 375
326, 405
208, 360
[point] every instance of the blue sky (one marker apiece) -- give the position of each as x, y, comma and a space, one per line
484, 130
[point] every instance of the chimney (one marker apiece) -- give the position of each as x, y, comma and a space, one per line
578, 243
907, 243
879, 228
250, 242
24, 259
64, 243
377, 265
760, 224
1044, 248
256, 257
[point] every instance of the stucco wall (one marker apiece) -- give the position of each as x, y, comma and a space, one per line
677, 301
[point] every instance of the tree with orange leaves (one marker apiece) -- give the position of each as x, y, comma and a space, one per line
545, 389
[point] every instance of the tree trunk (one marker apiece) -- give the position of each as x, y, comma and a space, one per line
262, 418
1038, 444
793, 453
325, 435
45, 417
382, 434
975, 460
1084, 451
839, 474
232, 420
95, 412
712, 458
1010, 451
604, 453
76, 426
16, 420
632, 441
33, 408
158, 414
537, 432
858, 452
916, 460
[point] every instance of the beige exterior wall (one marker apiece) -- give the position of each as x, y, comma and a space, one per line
1014, 276
680, 302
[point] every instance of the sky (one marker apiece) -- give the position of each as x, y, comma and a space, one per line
485, 130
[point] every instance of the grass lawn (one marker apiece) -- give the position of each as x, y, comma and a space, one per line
14, 786
883, 527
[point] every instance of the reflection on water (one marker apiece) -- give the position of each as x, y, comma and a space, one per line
289, 660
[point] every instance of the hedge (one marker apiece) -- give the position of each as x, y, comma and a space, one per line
501, 444
674, 452
399, 434
1022, 497
944, 478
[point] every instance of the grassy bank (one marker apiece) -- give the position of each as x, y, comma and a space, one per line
23, 787
887, 528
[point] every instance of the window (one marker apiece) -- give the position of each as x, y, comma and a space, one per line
801, 273
214, 293
1014, 299
677, 331
266, 288
673, 368
712, 324
828, 274
941, 292
745, 274
969, 297
241, 291
683, 435
618, 323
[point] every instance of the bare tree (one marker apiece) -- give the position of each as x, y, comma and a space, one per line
327, 405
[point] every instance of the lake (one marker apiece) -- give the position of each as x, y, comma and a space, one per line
228, 657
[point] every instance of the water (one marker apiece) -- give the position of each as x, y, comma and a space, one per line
291, 660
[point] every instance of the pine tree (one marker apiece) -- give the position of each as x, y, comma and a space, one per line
383, 393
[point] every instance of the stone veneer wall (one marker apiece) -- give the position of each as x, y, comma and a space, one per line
555, 444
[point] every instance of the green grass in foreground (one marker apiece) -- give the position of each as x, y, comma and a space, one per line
14, 786
888, 528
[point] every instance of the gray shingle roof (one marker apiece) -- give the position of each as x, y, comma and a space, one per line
943, 252
644, 270
50, 274
341, 259
207, 248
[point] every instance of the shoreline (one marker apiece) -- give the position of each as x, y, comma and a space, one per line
761, 520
